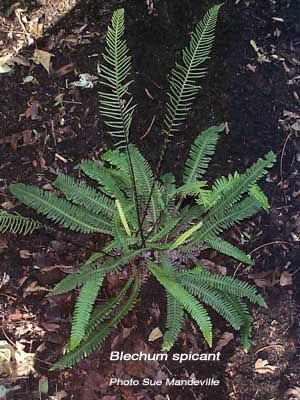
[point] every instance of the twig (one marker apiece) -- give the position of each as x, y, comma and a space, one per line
262, 246
149, 128
282, 155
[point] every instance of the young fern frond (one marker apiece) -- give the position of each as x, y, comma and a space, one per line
97, 336
16, 224
116, 103
60, 211
83, 309
85, 196
201, 152
256, 192
184, 76
220, 245
188, 302
99, 174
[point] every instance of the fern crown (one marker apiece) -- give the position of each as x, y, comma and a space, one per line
151, 232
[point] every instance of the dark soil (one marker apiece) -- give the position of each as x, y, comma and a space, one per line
257, 95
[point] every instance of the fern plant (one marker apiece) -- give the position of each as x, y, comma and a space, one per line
152, 230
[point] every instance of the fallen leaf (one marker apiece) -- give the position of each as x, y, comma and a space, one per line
32, 288
294, 393
224, 340
50, 327
263, 367
65, 69
155, 334
42, 57
285, 279
25, 254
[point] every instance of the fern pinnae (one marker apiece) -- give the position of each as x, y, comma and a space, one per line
219, 244
83, 195
17, 224
59, 210
83, 309
175, 318
201, 152
225, 284
183, 87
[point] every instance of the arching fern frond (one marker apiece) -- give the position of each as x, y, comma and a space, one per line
226, 284
83, 309
91, 271
116, 104
83, 195
175, 317
97, 336
219, 244
16, 224
184, 76
201, 152
188, 302
59, 210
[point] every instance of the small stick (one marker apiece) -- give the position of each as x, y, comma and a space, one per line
150, 127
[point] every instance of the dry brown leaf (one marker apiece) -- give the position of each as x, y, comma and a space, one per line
224, 340
155, 334
285, 279
42, 57
293, 393
25, 254
263, 367
32, 288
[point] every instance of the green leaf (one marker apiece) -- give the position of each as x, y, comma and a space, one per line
58, 210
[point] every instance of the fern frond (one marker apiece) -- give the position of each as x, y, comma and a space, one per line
216, 300
99, 174
215, 223
83, 309
223, 283
144, 178
97, 336
116, 104
122, 217
175, 317
164, 230
188, 302
85, 196
91, 271
256, 192
201, 152
184, 76
102, 312
243, 311
219, 244
58, 210
16, 224
186, 235
169, 187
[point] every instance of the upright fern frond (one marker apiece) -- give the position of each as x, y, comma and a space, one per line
59, 210
201, 152
16, 224
184, 76
116, 104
